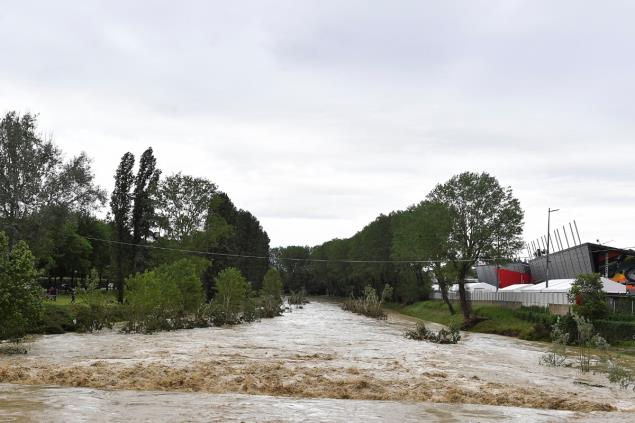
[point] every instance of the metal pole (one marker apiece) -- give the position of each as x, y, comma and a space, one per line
548, 239
572, 235
576, 231
564, 230
547, 272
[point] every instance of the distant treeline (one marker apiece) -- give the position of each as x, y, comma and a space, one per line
470, 218
416, 233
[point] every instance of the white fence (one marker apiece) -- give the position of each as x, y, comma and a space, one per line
527, 298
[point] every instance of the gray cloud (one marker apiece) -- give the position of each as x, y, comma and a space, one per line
319, 115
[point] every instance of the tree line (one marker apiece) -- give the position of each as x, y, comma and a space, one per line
469, 219
53, 204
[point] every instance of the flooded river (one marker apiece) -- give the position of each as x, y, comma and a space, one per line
318, 363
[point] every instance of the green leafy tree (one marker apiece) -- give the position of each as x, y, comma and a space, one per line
34, 175
151, 301
294, 266
588, 297
91, 227
20, 294
271, 293
143, 209
486, 222
422, 233
244, 236
183, 205
373, 242
186, 275
72, 253
232, 290
160, 298
120, 205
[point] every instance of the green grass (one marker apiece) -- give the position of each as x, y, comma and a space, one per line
65, 299
497, 320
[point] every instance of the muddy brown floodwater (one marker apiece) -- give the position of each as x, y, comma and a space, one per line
317, 363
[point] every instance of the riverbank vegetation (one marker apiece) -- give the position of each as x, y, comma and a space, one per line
442, 336
411, 248
169, 240
584, 348
369, 304
521, 323
142, 250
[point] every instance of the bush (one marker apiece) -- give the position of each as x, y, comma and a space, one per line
160, 299
20, 293
370, 304
542, 319
95, 313
271, 294
443, 336
614, 331
588, 297
55, 319
557, 356
588, 342
620, 375
298, 298
186, 275
232, 298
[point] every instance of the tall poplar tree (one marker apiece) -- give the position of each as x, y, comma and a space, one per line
143, 210
120, 205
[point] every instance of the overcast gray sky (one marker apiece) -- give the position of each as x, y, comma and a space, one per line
318, 115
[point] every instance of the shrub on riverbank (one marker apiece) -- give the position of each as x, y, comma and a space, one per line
162, 298
20, 298
496, 320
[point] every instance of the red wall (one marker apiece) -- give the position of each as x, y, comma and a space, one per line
509, 277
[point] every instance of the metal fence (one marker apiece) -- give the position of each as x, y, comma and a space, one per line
541, 299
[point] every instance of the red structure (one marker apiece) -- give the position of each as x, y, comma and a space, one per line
509, 277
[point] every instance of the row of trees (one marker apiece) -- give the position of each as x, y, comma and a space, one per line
468, 219
53, 205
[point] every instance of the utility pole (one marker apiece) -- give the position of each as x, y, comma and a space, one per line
548, 239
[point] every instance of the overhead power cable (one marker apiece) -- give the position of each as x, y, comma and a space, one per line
248, 256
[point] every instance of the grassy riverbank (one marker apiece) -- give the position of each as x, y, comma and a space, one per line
497, 320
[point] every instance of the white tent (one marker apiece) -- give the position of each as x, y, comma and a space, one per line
516, 287
474, 286
564, 285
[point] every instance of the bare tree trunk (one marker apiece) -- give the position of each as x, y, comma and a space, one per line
466, 306
443, 287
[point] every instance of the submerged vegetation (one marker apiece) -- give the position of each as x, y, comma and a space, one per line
370, 304
271, 294
56, 242
443, 336
298, 298
587, 351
